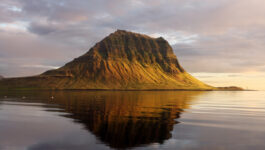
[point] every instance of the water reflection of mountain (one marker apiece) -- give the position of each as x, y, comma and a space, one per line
123, 119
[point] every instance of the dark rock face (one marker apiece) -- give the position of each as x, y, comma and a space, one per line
125, 47
122, 60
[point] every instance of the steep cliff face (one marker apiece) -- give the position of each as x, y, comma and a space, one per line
122, 60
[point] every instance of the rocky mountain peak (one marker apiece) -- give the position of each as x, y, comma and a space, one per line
122, 60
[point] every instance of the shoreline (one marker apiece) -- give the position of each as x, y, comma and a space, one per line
36, 89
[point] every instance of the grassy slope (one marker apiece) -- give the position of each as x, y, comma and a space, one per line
117, 75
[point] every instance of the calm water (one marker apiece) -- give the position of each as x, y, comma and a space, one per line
81, 120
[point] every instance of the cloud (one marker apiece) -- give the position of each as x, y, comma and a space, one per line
226, 53
177, 37
206, 35
40, 66
42, 28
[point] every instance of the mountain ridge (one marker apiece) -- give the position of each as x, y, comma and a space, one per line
121, 61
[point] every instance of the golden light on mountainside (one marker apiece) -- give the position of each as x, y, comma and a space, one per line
124, 61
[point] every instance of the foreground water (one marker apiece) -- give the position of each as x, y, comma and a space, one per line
69, 120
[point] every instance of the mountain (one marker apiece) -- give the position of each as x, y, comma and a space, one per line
121, 61
1, 77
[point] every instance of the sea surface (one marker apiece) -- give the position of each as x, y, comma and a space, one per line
99, 120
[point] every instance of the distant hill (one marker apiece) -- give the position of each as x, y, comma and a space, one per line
121, 61
1, 77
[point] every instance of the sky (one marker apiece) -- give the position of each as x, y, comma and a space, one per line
221, 42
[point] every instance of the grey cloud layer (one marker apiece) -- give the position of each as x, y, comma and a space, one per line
230, 34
